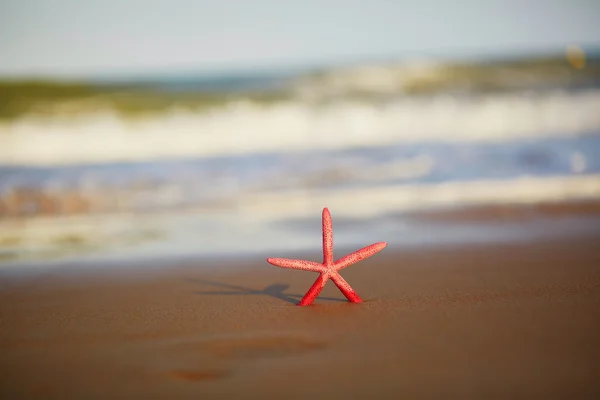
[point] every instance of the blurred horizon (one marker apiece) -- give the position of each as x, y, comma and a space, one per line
591, 51
85, 40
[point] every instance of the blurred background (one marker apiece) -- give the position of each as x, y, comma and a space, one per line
148, 129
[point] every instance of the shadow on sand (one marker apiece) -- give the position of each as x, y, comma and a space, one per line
275, 290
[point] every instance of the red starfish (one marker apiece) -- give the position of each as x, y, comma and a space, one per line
329, 269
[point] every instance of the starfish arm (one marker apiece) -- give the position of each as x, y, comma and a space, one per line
327, 237
296, 264
314, 290
359, 255
345, 288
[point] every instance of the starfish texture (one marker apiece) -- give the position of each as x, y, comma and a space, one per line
329, 269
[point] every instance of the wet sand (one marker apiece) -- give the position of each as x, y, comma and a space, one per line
517, 320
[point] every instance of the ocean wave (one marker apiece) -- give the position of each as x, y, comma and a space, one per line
290, 126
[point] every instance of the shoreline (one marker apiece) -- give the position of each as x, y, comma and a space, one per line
406, 231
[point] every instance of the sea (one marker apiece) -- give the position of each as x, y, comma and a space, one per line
250, 179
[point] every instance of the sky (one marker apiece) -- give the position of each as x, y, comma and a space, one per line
86, 38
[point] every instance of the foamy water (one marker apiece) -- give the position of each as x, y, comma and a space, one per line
248, 128
237, 179
265, 223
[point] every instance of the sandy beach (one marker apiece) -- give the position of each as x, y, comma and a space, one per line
512, 320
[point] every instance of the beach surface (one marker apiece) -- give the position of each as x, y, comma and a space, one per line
490, 320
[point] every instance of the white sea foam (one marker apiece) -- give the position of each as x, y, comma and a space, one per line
369, 202
249, 222
243, 128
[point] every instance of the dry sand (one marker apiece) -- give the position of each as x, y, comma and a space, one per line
488, 321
